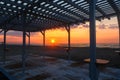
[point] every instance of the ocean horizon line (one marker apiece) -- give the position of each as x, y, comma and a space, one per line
107, 45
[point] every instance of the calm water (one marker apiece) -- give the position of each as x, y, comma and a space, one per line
98, 45
83, 45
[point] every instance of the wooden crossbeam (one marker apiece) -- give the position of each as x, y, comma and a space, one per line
81, 9
100, 10
113, 5
61, 7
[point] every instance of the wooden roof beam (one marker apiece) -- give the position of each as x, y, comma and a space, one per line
51, 17
109, 15
65, 16
62, 8
78, 7
113, 5
38, 5
48, 18
21, 12
100, 10
8, 20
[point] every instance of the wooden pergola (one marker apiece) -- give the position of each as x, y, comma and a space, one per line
40, 15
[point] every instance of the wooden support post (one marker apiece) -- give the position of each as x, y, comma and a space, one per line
24, 46
69, 46
43, 33
118, 18
24, 51
29, 40
93, 72
4, 45
28, 35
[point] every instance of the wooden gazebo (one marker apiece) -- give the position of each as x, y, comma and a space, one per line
39, 15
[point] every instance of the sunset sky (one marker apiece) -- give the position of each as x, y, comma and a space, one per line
107, 32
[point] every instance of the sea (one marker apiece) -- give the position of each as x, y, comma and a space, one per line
100, 45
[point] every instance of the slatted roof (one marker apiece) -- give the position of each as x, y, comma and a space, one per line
37, 15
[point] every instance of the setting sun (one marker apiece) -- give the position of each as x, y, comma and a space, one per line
52, 41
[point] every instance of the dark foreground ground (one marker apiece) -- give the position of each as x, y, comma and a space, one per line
77, 53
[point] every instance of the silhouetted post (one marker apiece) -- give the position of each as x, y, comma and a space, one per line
2, 42
43, 33
24, 50
24, 45
44, 38
69, 46
28, 35
4, 45
118, 18
29, 40
92, 67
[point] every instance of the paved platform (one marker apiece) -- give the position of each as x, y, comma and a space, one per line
50, 68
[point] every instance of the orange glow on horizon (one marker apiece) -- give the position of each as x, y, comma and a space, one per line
60, 36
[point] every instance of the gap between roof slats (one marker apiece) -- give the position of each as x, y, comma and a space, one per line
67, 6
62, 4
42, 10
61, 13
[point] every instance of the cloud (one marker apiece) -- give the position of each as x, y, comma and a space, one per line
75, 26
13, 33
34, 33
17, 33
71, 27
102, 26
85, 25
81, 26
113, 26
62, 29
110, 26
